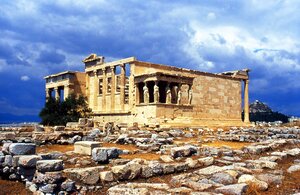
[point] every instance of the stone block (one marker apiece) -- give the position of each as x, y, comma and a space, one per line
39, 128
183, 151
106, 176
49, 165
103, 154
82, 121
7, 136
72, 124
22, 148
59, 128
88, 176
85, 147
48, 177
28, 161
8, 160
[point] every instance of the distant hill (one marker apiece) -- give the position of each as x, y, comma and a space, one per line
262, 112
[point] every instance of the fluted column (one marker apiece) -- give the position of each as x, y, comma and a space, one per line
122, 86
104, 89
57, 95
137, 94
66, 91
96, 90
246, 101
87, 87
47, 93
113, 88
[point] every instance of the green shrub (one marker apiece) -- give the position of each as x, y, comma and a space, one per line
58, 112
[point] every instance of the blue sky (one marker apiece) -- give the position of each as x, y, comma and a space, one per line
44, 37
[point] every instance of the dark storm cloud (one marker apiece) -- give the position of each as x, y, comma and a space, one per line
43, 37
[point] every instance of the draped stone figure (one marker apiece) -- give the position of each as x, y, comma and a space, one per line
156, 93
190, 95
146, 94
179, 94
168, 95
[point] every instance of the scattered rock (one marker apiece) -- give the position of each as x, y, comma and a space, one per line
234, 189
251, 180
183, 151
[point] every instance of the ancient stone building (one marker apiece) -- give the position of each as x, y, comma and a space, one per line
132, 91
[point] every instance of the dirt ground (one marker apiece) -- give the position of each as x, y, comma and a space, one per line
12, 187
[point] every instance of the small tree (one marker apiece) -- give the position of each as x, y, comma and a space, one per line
71, 109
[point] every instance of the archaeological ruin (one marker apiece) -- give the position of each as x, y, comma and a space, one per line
135, 92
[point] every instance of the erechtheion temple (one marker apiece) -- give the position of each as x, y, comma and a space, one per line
136, 92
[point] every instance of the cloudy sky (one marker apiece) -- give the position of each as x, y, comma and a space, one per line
43, 37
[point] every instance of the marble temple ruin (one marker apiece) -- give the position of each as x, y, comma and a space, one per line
135, 92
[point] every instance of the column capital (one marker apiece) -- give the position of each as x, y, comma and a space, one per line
112, 67
122, 65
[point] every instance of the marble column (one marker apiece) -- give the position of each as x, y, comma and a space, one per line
104, 89
96, 89
66, 91
113, 88
122, 86
87, 87
137, 93
47, 93
57, 95
246, 101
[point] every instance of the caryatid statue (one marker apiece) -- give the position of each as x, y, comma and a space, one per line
168, 95
179, 94
146, 94
156, 93
190, 95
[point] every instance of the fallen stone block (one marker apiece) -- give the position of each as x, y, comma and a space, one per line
211, 170
251, 180
294, 168
48, 177
106, 176
183, 151
206, 161
88, 176
271, 178
103, 154
22, 148
223, 178
59, 128
68, 186
7, 136
139, 188
49, 165
48, 188
28, 161
128, 171
235, 189
85, 147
